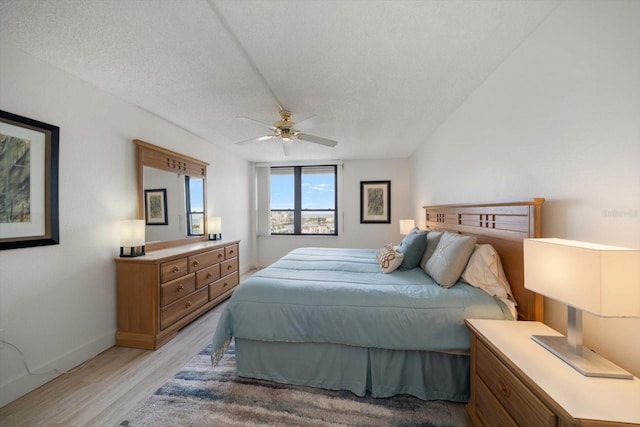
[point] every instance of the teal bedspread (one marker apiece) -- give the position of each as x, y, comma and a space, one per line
340, 296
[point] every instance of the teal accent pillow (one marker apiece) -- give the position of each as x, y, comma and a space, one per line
450, 258
412, 246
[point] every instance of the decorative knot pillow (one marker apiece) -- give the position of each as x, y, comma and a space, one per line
450, 258
388, 258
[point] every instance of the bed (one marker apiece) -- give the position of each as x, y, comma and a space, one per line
330, 318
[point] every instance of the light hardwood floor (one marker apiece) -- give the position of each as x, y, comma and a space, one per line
106, 388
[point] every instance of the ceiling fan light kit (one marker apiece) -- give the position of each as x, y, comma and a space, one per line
284, 129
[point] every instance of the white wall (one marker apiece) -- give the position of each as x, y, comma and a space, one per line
559, 119
351, 233
58, 303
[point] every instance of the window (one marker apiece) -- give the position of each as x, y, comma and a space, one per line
303, 200
195, 205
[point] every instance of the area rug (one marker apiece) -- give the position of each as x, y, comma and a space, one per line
202, 395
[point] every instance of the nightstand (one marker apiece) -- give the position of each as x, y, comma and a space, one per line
516, 382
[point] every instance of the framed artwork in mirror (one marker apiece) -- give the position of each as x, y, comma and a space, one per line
28, 182
375, 202
155, 202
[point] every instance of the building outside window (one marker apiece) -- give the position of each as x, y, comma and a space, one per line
303, 200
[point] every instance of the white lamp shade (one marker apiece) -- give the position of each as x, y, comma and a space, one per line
215, 225
603, 280
406, 225
132, 232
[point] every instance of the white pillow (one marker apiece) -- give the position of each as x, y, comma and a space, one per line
389, 259
484, 271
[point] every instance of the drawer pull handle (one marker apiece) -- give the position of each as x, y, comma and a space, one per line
180, 288
188, 304
224, 285
208, 275
231, 251
195, 263
219, 255
504, 390
229, 267
176, 269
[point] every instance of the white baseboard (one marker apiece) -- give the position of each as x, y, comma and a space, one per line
17, 387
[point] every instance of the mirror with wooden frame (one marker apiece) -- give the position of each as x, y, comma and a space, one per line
171, 196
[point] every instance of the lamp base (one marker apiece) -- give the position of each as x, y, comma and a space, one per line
131, 252
584, 360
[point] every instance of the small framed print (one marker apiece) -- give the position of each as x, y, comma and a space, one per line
375, 202
28, 182
155, 203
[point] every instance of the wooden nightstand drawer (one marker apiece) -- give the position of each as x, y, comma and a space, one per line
208, 275
173, 269
182, 307
176, 289
525, 408
197, 262
489, 409
513, 374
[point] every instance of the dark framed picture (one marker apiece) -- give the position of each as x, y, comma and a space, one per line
375, 202
155, 203
28, 182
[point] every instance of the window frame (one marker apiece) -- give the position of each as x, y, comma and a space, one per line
189, 211
297, 209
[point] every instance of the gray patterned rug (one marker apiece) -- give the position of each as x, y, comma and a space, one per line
202, 395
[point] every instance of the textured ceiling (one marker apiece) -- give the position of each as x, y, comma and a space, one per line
381, 75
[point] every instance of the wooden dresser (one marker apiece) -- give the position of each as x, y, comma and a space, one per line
161, 292
516, 382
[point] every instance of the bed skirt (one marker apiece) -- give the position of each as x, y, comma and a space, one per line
383, 373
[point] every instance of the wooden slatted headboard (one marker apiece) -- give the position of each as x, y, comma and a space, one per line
504, 226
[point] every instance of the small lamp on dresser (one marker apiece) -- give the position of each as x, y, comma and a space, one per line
132, 237
214, 228
602, 280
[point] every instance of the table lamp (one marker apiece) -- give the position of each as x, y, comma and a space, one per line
602, 280
406, 225
214, 226
132, 238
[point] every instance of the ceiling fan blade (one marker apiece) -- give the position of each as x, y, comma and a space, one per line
258, 139
308, 123
257, 122
317, 140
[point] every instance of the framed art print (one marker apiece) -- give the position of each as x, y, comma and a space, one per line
375, 202
28, 182
155, 202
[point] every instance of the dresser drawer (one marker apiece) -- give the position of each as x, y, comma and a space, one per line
182, 307
206, 259
176, 289
207, 275
228, 267
489, 409
173, 269
525, 408
220, 286
230, 251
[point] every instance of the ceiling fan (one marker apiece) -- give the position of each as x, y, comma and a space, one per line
284, 130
